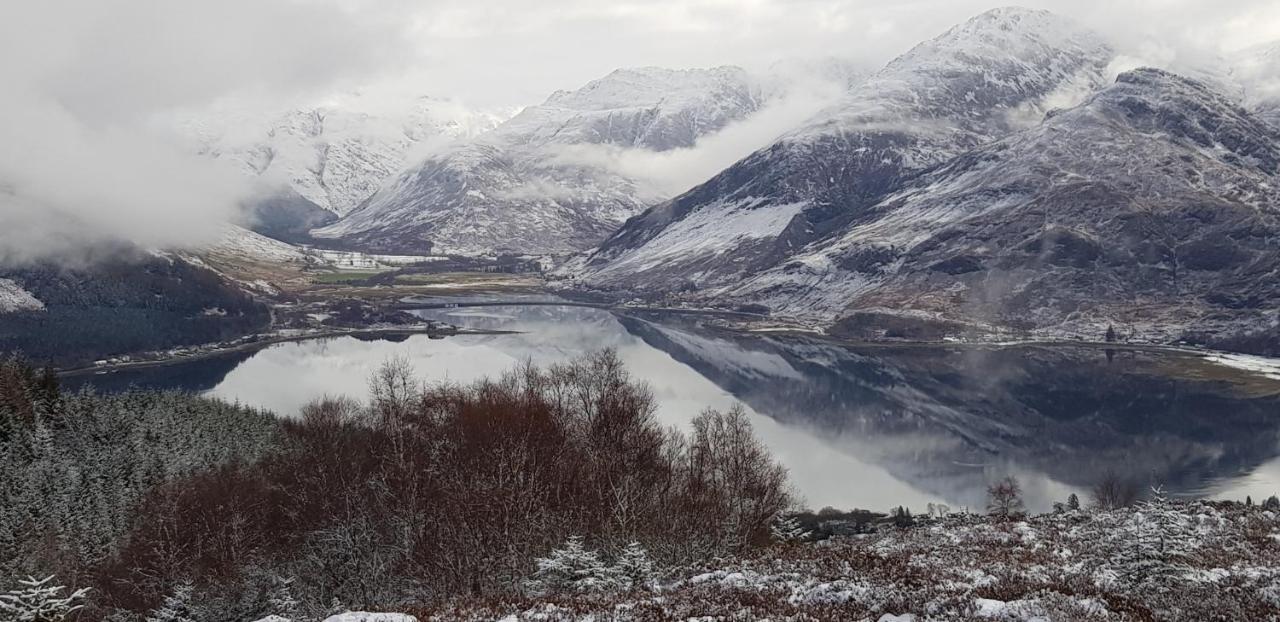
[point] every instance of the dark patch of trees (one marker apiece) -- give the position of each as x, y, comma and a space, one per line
74, 468
125, 305
830, 521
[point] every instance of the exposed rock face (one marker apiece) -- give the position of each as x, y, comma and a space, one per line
541, 183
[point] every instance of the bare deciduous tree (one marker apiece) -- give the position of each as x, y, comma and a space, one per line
1004, 499
1113, 492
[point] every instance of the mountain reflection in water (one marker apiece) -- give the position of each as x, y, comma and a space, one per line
869, 426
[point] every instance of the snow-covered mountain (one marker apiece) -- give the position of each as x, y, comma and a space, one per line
978, 82
1153, 205
337, 153
986, 181
547, 180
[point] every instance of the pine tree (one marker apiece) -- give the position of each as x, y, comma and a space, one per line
902, 517
38, 601
176, 606
635, 568
572, 568
1161, 542
1073, 502
787, 529
281, 600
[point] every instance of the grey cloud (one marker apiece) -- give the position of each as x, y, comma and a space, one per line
80, 161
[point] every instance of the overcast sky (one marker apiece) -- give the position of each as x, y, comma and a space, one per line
515, 51
80, 78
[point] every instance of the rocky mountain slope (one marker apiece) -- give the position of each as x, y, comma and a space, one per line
927, 207
334, 155
977, 82
1153, 206
545, 181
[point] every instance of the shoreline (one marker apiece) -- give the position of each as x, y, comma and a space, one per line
264, 343
1266, 366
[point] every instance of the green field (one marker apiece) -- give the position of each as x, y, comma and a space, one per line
346, 276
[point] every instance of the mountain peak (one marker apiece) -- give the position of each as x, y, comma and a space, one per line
635, 87
1026, 35
540, 182
1157, 101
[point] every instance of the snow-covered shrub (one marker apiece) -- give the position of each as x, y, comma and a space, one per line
572, 568
635, 568
788, 529
176, 606
281, 600
1160, 539
36, 600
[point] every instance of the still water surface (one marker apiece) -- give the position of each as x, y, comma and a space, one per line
857, 426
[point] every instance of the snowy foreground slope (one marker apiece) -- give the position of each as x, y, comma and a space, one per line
1163, 561
547, 180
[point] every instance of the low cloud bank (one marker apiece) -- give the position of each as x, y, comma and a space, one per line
81, 165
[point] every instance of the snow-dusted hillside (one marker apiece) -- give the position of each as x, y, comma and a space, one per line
14, 298
987, 178
547, 180
334, 154
979, 81
240, 242
1153, 205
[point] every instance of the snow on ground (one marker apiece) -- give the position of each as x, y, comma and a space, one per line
14, 298
709, 231
1169, 561
243, 243
1261, 365
357, 260
365, 616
